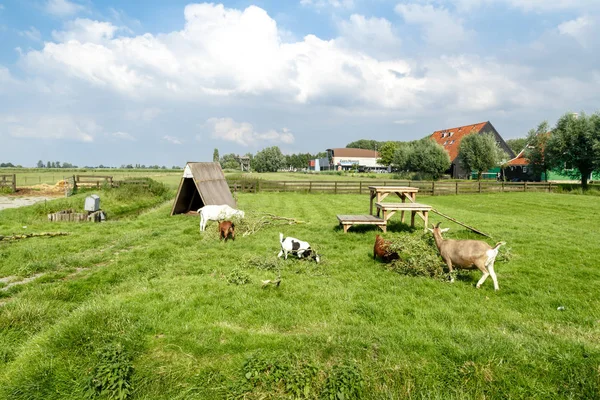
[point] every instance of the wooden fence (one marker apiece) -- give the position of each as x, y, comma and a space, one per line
9, 181
433, 188
93, 180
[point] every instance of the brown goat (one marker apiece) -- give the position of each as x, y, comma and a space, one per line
382, 250
226, 230
467, 254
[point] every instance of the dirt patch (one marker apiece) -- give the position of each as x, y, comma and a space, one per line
15, 202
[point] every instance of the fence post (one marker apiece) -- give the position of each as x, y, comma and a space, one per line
360, 187
456, 191
259, 184
524, 186
335, 188
433, 188
479, 182
309, 186
284, 188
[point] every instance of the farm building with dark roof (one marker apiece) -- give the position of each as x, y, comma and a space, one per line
450, 140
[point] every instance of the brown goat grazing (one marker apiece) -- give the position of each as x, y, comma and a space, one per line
226, 229
467, 254
382, 249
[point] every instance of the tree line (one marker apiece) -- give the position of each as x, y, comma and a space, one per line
270, 159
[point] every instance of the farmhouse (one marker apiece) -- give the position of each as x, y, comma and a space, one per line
202, 183
450, 139
343, 158
518, 169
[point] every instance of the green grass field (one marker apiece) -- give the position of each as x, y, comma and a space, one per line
146, 307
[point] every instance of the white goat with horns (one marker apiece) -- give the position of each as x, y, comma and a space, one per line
467, 253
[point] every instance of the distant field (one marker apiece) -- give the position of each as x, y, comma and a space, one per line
30, 176
148, 301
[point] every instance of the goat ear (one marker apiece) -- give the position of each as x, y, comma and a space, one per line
444, 230
430, 230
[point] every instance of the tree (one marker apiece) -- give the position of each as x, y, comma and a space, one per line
364, 144
386, 152
401, 156
479, 152
537, 141
216, 155
229, 161
40, 164
575, 143
516, 145
428, 157
268, 160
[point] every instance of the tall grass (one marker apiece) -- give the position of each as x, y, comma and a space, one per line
154, 298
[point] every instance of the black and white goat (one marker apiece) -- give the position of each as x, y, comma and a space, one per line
294, 246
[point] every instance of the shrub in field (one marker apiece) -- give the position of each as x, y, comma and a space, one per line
238, 277
111, 377
344, 382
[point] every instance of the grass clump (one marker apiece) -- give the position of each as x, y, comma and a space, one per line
111, 377
238, 277
418, 256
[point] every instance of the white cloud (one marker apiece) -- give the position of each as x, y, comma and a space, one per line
1, 7
319, 4
581, 29
172, 139
123, 136
85, 30
52, 127
243, 133
441, 28
63, 8
144, 115
373, 36
32, 34
523, 5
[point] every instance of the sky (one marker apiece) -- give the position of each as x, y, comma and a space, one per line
165, 82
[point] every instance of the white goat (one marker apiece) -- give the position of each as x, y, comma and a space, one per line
467, 253
295, 246
216, 213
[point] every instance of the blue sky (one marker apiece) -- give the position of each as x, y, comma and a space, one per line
157, 82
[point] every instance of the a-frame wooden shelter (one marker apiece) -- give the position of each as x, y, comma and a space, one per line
202, 183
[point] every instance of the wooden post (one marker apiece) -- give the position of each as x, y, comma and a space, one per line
335, 188
433, 188
284, 188
259, 184
309, 186
503, 186
456, 190
360, 187
14, 185
479, 182
524, 186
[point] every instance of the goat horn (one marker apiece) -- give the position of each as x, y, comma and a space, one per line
438, 224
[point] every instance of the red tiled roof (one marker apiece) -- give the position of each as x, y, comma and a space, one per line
350, 152
450, 138
519, 160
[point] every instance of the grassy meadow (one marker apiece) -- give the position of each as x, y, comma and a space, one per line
144, 306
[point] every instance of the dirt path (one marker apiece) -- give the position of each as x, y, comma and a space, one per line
15, 202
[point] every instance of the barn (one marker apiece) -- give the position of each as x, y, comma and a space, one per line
202, 183
450, 139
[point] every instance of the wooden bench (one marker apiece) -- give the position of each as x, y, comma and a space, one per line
389, 209
348, 220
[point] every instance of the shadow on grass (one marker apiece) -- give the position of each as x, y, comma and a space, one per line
395, 226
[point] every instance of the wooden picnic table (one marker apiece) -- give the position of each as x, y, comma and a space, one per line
389, 209
381, 192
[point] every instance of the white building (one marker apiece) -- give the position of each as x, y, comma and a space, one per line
344, 159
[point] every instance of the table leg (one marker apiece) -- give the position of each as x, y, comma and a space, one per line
403, 197
426, 215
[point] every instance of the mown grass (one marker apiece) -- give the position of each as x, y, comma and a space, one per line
153, 298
